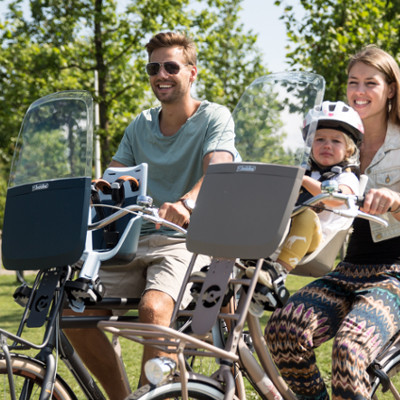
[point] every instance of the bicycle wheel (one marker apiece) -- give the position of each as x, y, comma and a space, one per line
30, 372
381, 389
197, 391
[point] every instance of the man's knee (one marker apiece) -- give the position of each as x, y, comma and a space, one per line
156, 307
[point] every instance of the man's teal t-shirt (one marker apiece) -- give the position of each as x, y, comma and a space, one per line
175, 163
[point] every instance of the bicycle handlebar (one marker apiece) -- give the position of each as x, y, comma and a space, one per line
147, 213
151, 213
352, 201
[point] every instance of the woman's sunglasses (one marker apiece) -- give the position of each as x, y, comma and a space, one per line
171, 67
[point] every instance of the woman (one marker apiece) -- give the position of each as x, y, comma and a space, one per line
358, 304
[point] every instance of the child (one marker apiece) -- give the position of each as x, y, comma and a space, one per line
334, 150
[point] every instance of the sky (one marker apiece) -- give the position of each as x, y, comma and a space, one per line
262, 16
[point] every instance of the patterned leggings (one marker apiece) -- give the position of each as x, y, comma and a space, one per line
358, 305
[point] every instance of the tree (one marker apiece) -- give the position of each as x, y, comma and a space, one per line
60, 45
332, 30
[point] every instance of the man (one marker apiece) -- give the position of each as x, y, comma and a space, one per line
178, 140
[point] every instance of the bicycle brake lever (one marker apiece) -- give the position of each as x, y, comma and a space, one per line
361, 214
346, 213
373, 218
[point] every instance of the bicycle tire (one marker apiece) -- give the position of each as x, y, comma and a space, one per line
27, 368
172, 390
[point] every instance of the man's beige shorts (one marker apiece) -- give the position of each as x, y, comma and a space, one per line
160, 264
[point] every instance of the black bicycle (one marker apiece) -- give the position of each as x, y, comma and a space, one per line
50, 226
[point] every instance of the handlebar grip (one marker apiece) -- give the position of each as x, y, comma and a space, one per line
360, 201
134, 183
102, 185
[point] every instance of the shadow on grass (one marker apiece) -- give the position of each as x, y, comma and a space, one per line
10, 318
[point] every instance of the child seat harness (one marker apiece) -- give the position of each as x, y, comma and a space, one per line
326, 174
117, 191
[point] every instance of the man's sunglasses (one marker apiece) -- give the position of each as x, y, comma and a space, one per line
171, 67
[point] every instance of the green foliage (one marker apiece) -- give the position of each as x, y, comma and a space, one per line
327, 33
60, 45
229, 59
257, 125
3, 189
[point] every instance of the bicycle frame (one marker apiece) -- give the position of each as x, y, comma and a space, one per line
54, 340
266, 379
263, 375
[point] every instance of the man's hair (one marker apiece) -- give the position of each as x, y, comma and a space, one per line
174, 39
382, 61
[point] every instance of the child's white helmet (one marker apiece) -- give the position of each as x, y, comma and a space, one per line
336, 115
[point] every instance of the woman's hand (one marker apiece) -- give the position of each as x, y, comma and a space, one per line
380, 201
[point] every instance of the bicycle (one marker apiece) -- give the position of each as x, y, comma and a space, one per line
229, 181
235, 354
39, 203
231, 230
40, 370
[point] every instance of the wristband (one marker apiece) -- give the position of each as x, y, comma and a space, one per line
189, 204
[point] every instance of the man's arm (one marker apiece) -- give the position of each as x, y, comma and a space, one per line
116, 164
177, 212
217, 158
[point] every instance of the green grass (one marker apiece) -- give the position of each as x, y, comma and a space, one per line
10, 314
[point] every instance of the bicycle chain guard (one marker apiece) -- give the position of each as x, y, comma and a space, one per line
212, 295
44, 296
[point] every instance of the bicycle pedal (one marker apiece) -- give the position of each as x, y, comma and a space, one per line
22, 294
248, 340
282, 293
271, 299
85, 290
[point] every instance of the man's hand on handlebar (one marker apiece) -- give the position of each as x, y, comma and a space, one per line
175, 213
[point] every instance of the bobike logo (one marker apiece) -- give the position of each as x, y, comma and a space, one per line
246, 168
40, 186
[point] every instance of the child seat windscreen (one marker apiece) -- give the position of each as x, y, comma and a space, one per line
54, 142
269, 119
